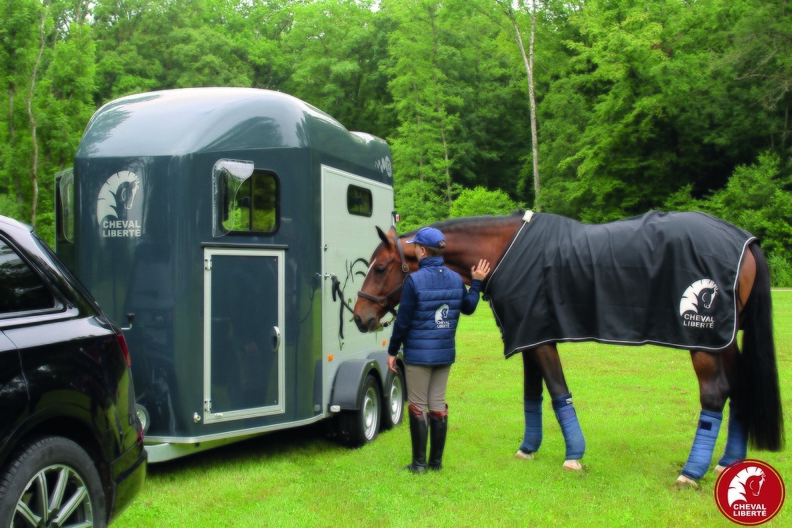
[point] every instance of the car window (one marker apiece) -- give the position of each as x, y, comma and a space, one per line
21, 289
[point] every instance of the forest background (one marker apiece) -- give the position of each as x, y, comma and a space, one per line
639, 105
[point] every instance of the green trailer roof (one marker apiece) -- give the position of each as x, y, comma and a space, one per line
184, 121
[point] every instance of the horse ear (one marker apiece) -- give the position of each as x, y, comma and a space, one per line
392, 232
383, 236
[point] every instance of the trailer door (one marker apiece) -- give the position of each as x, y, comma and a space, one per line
352, 208
243, 333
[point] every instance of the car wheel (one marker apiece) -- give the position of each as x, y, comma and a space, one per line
362, 425
51, 482
393, 410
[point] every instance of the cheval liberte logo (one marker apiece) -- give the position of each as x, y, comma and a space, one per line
384, 165
441, 317
696, 302
749, 492
118, 213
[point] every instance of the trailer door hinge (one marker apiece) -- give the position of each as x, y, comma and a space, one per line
208, 264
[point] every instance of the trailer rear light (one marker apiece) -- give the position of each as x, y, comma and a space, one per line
124, 349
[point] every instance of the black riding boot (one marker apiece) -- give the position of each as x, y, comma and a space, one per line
418, 433
438, 428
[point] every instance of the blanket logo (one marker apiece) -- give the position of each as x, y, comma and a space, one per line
441, 317
696, 302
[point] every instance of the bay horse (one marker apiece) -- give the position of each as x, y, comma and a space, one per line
748, 378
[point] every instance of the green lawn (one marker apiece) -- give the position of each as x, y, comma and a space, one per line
638, 407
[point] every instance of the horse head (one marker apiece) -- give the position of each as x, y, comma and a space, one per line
381, 290
708, 296
701, 293
754, 484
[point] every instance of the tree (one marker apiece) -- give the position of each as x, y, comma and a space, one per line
481, 202
332, 46
528, 60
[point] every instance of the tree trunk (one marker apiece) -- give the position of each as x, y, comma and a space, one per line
32, 119
528, 61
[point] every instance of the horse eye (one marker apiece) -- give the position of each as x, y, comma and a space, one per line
380, 271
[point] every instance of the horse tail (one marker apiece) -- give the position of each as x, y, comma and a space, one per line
760, 387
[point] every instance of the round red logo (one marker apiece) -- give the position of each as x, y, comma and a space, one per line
749, 492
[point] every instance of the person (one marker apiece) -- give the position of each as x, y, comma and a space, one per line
432, 300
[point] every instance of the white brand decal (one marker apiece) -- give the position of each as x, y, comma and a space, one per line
441, 317
116, 211
698, 299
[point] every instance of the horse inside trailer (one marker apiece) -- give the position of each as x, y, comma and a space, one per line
228, 229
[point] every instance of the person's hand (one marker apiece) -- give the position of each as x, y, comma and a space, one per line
392, 364
482, 270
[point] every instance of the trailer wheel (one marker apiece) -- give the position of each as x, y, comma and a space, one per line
362, 425
393, 410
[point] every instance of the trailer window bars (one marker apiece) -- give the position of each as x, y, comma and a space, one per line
245, 199
359, 201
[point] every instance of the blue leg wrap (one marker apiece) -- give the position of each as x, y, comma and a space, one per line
736, 441
703, 445
570, 427
532, 438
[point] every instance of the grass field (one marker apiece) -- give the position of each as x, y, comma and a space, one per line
638, 408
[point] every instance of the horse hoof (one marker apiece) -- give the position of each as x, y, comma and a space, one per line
573, 465
521, 455
682, 482
718, 469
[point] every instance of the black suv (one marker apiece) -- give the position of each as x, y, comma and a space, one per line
71, 444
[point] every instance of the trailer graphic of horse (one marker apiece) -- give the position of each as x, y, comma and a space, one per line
227, 227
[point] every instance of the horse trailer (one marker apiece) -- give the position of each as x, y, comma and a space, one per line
228, 230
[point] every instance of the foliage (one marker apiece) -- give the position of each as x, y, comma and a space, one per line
418, 206
640, 105
481, 202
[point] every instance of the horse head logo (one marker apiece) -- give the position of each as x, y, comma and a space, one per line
441, 317
747, 481
700, 294
117, 195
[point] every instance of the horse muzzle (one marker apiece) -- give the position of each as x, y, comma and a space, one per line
367, 325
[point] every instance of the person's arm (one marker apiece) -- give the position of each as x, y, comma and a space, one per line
471, 298
404, 317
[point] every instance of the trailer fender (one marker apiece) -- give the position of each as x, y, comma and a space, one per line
349, 380
382, 360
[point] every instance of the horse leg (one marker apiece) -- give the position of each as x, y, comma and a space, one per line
549, 364
713, 391
737, 439
532, 407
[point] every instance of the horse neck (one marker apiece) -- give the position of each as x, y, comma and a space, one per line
470, 240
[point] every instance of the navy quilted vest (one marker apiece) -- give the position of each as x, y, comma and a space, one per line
430, 340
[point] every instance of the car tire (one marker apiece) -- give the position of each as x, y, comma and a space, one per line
361, 426
51, 477
394, 392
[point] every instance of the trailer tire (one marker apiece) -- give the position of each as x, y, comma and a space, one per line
393, 393
361, 426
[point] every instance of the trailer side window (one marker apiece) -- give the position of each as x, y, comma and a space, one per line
359, 201
246, 200
64, 203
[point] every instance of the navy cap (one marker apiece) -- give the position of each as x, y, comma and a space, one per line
429, 237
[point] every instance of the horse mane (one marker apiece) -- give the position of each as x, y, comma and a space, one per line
454, 224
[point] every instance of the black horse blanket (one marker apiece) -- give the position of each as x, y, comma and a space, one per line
661, 278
